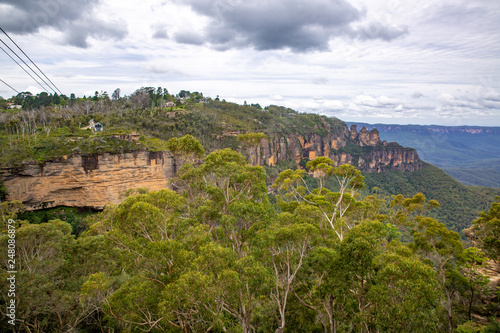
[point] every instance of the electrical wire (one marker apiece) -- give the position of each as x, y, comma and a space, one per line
43, 88
8, 85
31, 61
50, 88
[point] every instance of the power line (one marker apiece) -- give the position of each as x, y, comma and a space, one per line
31, 60
28, 66
43, 88
8, 85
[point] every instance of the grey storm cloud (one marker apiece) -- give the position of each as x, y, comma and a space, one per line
72, 17
295, 24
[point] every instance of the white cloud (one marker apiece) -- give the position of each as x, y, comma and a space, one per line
33, 89
380, 101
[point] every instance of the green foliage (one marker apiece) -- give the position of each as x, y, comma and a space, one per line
49, 298
486, 230
404, 294
335, 207
153, 144
273, 171
10, 210
251, 139
186, 147
469, 327
472, 327
217, 256
475, 260
3, 191
459, 204
492, 327
3, 104
477, 176
42, 99
63, 142
73, 216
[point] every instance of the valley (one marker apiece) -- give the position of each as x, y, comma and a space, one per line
470, 154
197, 210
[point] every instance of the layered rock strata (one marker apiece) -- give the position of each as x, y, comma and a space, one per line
87, 181
96, 180
363, 149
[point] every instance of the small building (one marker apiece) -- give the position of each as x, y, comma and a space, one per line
95, 127
11, 105
98, 127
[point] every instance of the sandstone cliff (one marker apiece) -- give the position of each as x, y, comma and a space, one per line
363, 149
98, 179
87, 181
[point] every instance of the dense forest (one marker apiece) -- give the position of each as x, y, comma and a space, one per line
218, 256
459, 203
467, 153
235, 247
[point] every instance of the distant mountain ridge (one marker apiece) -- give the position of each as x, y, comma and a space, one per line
387, 128
471, 154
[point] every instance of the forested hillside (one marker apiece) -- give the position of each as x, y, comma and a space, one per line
32, 133
470, 154
460, 204
231, 246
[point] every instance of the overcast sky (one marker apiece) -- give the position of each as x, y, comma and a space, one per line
387, 61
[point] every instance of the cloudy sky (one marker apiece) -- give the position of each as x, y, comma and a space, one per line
388, 61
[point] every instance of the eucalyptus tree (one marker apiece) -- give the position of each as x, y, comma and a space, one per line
472, 269
285, 248
46, 297
486, 231
334, 206
229, 195
186, 148
442, 248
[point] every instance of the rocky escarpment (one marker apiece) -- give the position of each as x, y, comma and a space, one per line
98, 179
363, 149
87, 181
434, 129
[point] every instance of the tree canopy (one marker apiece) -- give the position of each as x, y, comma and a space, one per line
218, 255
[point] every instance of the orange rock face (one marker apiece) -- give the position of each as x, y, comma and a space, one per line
92, 181
383, 156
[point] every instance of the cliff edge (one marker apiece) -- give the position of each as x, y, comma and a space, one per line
96, 179
363, 149
87, 181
